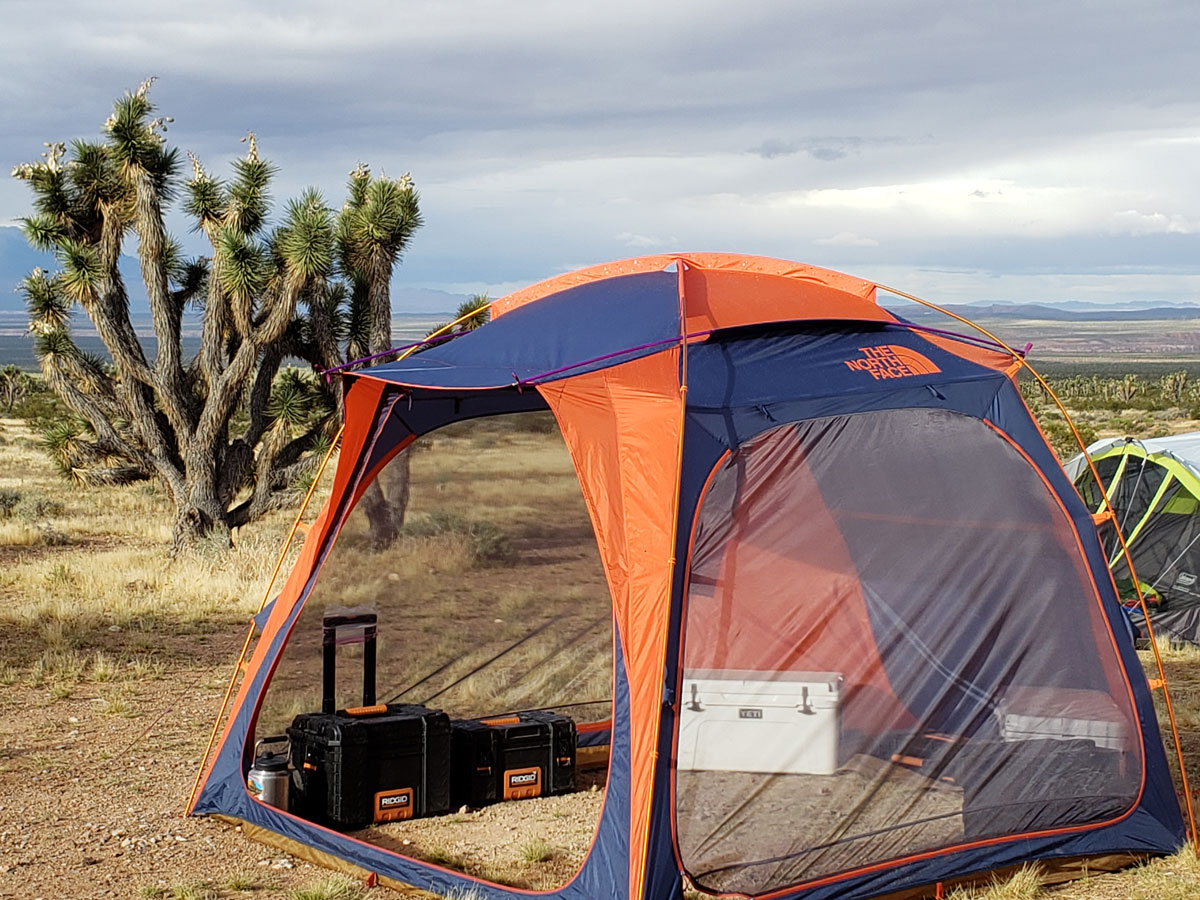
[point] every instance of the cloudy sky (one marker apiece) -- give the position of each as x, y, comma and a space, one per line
1018, 151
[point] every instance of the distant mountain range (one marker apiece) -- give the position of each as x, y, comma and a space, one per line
1052, 312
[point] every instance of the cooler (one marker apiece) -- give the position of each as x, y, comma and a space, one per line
771, 722
1063, 714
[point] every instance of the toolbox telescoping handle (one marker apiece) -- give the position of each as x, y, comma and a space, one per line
329, 655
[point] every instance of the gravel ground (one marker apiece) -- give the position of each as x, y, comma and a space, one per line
91, 797
93, 787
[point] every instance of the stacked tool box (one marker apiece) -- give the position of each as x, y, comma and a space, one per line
372, 763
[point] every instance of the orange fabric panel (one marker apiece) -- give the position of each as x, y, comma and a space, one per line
362, 401
993, 359
778, 592
730, 262
622, 428
727, 298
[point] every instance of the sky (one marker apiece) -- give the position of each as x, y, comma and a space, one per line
1019, 151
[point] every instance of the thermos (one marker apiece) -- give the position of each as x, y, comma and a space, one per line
268, 778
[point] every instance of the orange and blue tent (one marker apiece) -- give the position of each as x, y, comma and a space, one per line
797, 495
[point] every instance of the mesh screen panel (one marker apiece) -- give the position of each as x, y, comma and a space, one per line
892, 645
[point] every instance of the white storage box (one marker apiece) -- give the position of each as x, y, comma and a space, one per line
773, 722
1065, 714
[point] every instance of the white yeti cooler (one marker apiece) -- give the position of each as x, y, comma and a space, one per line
772, 722
1064, 714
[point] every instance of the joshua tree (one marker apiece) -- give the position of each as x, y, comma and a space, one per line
225, 433
14, 385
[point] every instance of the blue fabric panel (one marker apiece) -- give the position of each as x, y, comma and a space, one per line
752, 366
422, 411
260, 618
574, 326
594, 738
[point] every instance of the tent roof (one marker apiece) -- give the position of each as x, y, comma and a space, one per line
1182, 448
629, 309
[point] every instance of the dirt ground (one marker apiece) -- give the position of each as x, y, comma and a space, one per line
91, 802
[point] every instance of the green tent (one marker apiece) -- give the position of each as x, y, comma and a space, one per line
1154, 488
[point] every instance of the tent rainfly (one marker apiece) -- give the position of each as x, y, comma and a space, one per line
1154, 488
864, 638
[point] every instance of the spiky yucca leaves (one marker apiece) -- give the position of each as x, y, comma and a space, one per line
376, 225
474, 313
225, 435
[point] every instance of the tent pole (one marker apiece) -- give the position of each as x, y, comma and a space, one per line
1111, 513
212, 737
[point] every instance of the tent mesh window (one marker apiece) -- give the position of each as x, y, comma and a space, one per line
492, 600
892, 645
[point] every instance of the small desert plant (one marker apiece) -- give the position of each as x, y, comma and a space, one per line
536, 851
184, 890
244, 880
39, 508
1024, 884
119, 705
331, 887
442, 856
103, 668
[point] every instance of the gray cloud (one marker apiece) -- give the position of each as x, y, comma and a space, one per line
543, 135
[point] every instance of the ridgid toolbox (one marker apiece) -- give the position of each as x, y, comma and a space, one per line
526, 754
372, 763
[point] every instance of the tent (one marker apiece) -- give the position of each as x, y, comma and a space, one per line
1154, 488
864, 637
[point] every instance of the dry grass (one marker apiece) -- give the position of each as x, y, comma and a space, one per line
76, 562
1025, 884
331, 887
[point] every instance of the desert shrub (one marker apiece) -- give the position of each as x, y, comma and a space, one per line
40, 405
536, 851
1062, 441
34, 507
9, 501
487, 542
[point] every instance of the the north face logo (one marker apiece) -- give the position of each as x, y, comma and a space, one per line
891, 361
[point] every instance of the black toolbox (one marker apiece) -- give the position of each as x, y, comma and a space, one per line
373, 763
526, 754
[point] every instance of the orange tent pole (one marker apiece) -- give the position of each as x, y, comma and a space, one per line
212, 737
1109, 511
